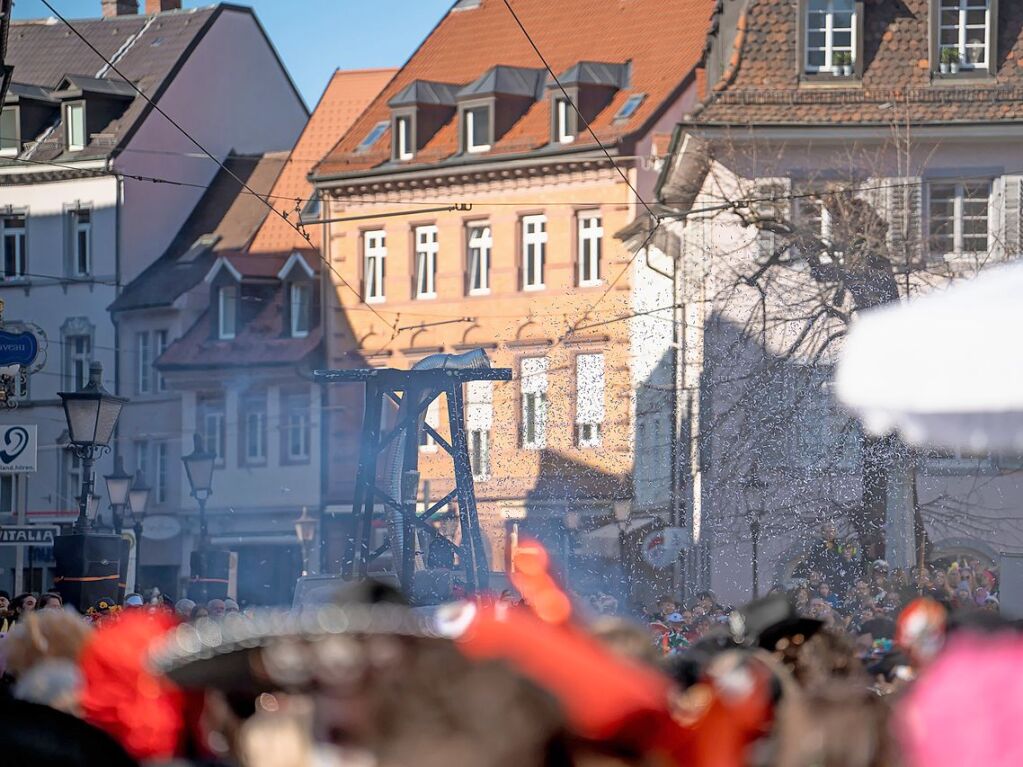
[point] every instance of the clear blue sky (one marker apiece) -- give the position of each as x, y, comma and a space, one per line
313, 37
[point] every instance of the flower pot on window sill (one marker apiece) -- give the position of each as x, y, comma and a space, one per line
953, 68
944, 68
847, 70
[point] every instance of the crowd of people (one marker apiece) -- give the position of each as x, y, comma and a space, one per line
826, 673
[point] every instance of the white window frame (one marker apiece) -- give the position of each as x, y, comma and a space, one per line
299, 422
534, 252
829, 49
227, 312
427, 444
13, 151
161, 342
160, 484
590, 233
403, 137
211, 421
144, 358
533, 385
18, 241
470, 128
300, 303
255, 425
481, 246
374, 265
81, 240
562, 121
70, 126
963, 7
427, 247
958, 217
591, 393
78, 360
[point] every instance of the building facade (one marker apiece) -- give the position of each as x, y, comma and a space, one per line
81, 213
503, 240
837, 161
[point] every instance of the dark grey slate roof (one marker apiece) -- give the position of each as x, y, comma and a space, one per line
78, 85
223, 221
597, 73
425, 92
507, 81
148, 50
18, 91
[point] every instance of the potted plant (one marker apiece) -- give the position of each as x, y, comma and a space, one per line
949, 61
842, 64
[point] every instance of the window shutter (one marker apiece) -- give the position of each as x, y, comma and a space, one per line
905, 219
1011, 216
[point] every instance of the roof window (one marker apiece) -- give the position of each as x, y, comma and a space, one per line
630, 106
371, 138
74, 126
418, 111
477, 126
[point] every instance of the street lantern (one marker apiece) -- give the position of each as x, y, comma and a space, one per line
91, 506
91, 414
118, 485
199, 469
305, 530
754, 491
138, 500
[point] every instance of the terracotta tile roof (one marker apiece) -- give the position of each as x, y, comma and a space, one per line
260, 341
663, 40
346, 96
223, 217
150, 50
897, 81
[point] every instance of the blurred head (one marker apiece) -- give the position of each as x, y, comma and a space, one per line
828, 531
824, 590
184, 607
216, 608
50, 601
199, 612
666, 606
231, 606
134, 601
23, 603
5, 601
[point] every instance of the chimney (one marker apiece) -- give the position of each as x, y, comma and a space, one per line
112, 8
159, 6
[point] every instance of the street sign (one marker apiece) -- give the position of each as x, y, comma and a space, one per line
27, 535
19, 446
19, 348
660, 548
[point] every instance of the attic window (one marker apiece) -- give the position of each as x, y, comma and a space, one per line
564, 121
10, 140
74, 126
831, 32
372, 136
404, 137
477, 129
300, 300
630, 107
227, 312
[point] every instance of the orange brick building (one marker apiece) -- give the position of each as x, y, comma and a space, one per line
533, 271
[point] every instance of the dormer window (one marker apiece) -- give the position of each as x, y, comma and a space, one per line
74, 126
227, 312
10, 134
300, 302
564, 121
831, 36
964, 34
477, 124
404, 137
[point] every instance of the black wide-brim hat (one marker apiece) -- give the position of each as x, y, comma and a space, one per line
286, 650
766, 622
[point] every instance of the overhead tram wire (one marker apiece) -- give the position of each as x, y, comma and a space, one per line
283, 216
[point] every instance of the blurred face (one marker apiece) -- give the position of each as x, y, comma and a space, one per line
51, 603
825, 591
28, 605
667, 608
4, 603
216, 609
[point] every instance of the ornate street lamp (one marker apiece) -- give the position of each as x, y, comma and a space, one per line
91, 414
199, 469
118, 485
305, 531
138, 500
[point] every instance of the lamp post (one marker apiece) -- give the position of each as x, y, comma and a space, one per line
305, 531
199, 469
138, 500
623, 513
91, 414
118, 485
754, 492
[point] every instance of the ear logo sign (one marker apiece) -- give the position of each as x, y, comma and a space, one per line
14, 444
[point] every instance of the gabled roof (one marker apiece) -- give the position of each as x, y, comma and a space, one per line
763, 88
423, 92
18, 91
149, 50
76, 86
507, 81
596, 73
662, 39
223, 221
345, 98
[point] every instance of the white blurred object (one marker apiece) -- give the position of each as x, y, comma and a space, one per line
944, 370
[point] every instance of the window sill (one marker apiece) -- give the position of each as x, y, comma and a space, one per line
427, 448
533, 288
426, 296
973, 76
378, 300
828, 80
295, 461
253, 464
479, 293
592, 284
